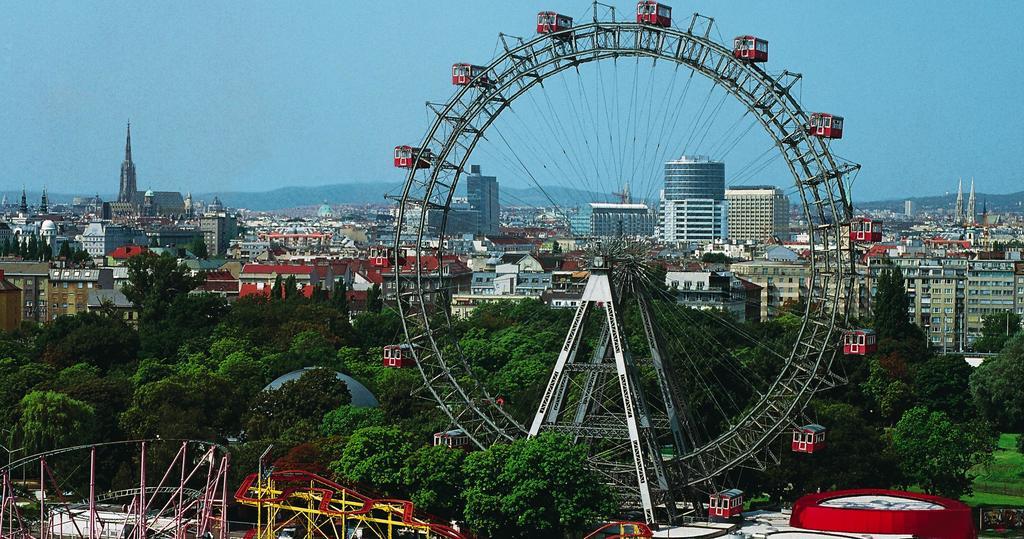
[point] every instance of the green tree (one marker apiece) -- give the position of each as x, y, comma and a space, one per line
891, 305
81, 256
887, 385
346, 419
715, 258
18, 377
304, 400
377, 328
188, 321
291, 288
32, 250
536, 487
50, 420
433, 475
305, 456
997, 330
65, 251
244, 372
108, 394
103, 341
155, 281
374, 300
375, 456
857, 456
340, 297
942, 383
5, 247
996, 387
194, 405
199, 247
276, 291
937, 454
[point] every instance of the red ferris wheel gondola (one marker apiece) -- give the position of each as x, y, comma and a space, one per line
653, 13
864, 230
405, 157
470, 75
726, 504
859, 342
808, 439
825, 125
549, 22
398, 356
750, 48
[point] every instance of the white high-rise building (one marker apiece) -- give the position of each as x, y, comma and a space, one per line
693, 206
757, 213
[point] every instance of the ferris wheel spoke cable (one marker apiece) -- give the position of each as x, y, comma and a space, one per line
609, 157
726, 151
639, 165
700, 115
723, 321
628, 131
533, 178
592, 105
664, 112
536, 149
734, 364
755, 166
657, 165
564, 133
730, 135
699, 352
708, 122
694, 359
581, 132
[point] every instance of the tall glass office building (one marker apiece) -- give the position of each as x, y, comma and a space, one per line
693, 207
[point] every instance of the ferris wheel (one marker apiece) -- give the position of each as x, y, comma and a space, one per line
665, 395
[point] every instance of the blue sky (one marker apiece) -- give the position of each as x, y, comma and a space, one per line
256, 95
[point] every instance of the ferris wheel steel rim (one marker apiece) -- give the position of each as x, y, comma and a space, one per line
818, 176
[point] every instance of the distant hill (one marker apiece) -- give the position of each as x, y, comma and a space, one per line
996, 203
373, 193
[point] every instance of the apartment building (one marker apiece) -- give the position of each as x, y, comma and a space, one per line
68, 291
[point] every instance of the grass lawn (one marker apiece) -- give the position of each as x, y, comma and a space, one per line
1002, 482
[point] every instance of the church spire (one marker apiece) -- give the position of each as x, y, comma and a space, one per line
23, 207
960, 202
128, 190
44, 204
972, 207
128, 144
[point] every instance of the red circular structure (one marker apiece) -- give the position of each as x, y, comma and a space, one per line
884, 512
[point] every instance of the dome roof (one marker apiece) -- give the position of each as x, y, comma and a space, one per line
48, 226
361, 396
149, 193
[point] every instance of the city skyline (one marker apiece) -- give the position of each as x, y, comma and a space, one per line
282, 110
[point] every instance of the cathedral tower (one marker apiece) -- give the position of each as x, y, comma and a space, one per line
128, 188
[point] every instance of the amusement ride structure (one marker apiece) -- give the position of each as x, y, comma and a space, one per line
627, 381
189, 499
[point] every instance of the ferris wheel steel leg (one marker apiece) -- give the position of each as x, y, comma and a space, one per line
554, 394
587, 396
668, 392
635, 413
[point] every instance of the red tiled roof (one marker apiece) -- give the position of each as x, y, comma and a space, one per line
125, 252
219, 281
286, 269
263, 289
